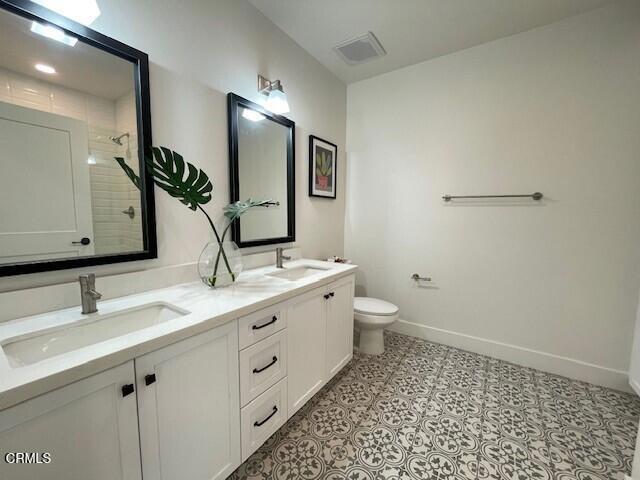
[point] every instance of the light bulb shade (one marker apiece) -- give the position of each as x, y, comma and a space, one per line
277, 102
81, 11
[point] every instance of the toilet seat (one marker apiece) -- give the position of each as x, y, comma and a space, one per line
374, 306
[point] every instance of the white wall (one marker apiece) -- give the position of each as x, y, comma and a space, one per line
200, 50
557, 109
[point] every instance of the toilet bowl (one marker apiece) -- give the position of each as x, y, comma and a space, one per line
371, 317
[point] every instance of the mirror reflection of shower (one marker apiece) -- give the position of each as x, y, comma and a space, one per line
118, 141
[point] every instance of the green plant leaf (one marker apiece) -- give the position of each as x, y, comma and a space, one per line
168, 170
237, 209
129, 172
324, 164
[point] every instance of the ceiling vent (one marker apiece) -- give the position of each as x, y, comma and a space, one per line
360, 50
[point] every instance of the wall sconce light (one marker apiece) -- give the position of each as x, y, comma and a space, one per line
276, 98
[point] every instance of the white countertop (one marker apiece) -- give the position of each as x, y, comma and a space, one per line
208, 309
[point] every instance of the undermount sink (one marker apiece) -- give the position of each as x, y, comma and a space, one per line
33, 348
297, 273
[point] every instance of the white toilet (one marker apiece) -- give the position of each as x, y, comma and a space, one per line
371, 317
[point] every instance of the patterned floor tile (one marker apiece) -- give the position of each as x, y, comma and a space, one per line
428, 411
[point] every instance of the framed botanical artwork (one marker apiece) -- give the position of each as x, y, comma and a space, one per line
323, 158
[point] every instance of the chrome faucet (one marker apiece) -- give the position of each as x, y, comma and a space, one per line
88, 293
280, 257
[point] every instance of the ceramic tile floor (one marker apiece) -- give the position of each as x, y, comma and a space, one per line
428, 411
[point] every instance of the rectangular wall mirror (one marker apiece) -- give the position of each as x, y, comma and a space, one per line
71, 100
262, 159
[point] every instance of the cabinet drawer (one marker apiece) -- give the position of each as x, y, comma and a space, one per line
262, 417
260, 325
262, 365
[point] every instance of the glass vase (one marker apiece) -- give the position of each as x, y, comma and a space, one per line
220, 264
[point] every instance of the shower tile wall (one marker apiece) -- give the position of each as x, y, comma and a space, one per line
111, 190
126, 121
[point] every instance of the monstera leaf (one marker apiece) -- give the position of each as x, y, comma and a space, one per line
135, 179
168, 170
235, 210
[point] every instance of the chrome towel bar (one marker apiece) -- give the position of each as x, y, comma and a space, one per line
534, 196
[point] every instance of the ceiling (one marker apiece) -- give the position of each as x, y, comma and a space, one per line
411, 31
81, 67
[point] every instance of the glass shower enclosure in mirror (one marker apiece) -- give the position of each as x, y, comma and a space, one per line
71, 100
262, 159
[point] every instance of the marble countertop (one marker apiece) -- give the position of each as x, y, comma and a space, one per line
207, 309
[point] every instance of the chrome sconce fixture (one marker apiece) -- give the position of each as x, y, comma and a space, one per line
276, 98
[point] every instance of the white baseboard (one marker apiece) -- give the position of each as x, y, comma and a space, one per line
547, 362
635, 386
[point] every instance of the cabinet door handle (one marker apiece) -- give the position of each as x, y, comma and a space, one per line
127, 389
332, 294
327, 296
259, 424
83, 241
149, 379
274, 319
273, 361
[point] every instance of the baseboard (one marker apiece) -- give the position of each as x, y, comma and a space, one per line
634, 386
547, 362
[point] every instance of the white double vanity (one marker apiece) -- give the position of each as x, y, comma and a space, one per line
179, 383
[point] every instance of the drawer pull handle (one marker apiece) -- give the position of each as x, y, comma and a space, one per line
127, 389
149, 379
273, 361
274, 319
327, 296
259, 424
332, 294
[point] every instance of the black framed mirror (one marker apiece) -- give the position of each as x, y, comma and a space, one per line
262, 166
71, 100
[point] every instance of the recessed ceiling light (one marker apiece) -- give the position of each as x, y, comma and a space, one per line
54, 33
82, 11
41, 67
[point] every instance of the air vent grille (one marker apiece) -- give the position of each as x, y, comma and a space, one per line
360, 50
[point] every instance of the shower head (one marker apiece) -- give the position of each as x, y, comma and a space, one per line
118, 140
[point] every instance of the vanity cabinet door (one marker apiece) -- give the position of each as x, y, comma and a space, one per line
189, 407
339, 325
89, 429
306, 345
